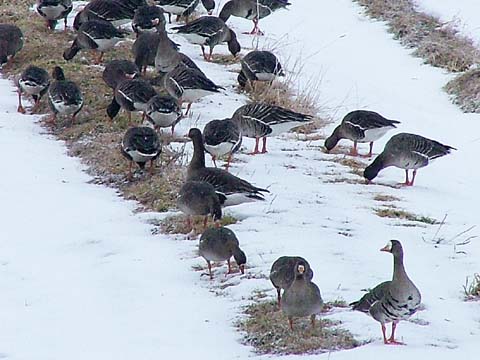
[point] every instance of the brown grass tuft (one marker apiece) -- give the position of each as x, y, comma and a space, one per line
385, 198
394, 213
465, 91
472, 288
177, 224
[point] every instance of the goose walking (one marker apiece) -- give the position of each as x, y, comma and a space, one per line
34, 82
220, 244
11, 42
407, 151
164, 111
391, 301
54, 10
236, 190
222, 137
259, 120
360, 126
259, 66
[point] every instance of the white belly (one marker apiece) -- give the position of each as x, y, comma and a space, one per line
106, 44
139, 157
237, 198
66, 109
375, 134
52, 12
220, 149
285, 127
140, 106
30, 89
173, 9
163, 120
211, 256
195, 38
265, 76
192, 95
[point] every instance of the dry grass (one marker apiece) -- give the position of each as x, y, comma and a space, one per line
472, 288
465, 91
177, 224
394, 213
266, 329
385, 198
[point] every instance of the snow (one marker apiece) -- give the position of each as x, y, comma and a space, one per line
82, 276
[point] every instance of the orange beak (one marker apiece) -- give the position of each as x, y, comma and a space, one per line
386, 249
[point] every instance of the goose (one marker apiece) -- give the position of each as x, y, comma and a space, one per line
200, 198
209, 31
33, 81
236, 190
282, 273
259, 65
163, 111
189, 85
131, 95
64, 96
391, 301
54, 10
220, 244
222, 137
407, 151
118, 70
360, 126
259, 120
11, 42
183, 8
148, 19
302, 297
251, 10
97, 35
141, 144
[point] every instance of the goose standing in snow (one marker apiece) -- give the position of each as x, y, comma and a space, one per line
251, 10
360, 126
164, 111
391, 301
407, 151
117, 12
282, 273
220, 244
222, 137
64, 96
259, 120
302, 297
259, 65
235, 189
54, 10
141, 144
118, 70
209, 31
11, 42
34, 82
97, 35
148, 19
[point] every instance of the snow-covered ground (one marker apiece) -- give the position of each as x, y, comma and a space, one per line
82, 276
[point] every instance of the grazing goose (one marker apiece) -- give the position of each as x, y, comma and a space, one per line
209, 31
235, 189
407, 151
163, 111
11, 42
360, 126
141, 144
148, 19
222, 137
282, 273
34, 82
302, 297
251, 10
197, 198
220, 244
54, 10
259, 120
183, 8
131, 95
64, 96
189, 85
259, 65
118, 12
394, 300
97, 35
117, 70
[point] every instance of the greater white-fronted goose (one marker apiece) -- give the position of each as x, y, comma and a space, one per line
189, 85
394, 300
302, 297
220, 244
117, 12
148, 18
259, 65
118, 70
282, 273
407, 151
222, 137
199, 198
97, 35
235, 189
164, 111
259, 120
64, 96
251, 10
33, 81
11, 42
360, 126
209, 31
54, 10
183, 8
141, 144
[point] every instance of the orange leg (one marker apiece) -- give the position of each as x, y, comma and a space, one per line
20, 108
290, 323
209, 269
264, 147
391, 340
255, 151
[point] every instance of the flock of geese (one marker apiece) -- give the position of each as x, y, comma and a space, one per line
208, 189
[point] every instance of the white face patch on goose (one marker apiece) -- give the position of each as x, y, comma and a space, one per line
388, 247
301, 269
